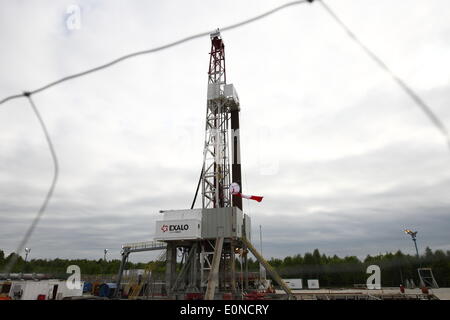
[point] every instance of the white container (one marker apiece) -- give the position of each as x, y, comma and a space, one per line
133, 272
294, 283
62, 290
28, 290
51, 289
178, 229
194, 214
222, 222
313, 284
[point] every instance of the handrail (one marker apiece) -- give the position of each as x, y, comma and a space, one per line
144, 245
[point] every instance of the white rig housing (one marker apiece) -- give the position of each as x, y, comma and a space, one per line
211, 223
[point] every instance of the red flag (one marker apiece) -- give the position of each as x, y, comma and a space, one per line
235, 188
256, 198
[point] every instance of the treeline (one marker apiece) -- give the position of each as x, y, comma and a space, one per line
58, 267
332, 271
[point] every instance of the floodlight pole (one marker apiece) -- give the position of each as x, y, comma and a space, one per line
27, 251
413, 237
415, 245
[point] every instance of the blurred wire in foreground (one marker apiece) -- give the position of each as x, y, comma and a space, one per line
166, 46
407, 89
41, 211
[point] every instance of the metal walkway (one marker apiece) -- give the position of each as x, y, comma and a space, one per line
135, 247
144, 246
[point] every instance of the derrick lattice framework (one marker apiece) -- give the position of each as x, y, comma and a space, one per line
216, 159
209, 239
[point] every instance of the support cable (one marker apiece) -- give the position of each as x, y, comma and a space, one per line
403, 85
41, 210
198, 187
160, 48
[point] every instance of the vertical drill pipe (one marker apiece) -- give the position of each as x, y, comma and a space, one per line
236, 156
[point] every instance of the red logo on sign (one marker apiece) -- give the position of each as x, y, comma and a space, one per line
164, 228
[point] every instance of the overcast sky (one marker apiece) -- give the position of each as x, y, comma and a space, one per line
344, 159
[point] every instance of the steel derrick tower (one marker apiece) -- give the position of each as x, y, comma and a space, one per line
222, 108
202, 245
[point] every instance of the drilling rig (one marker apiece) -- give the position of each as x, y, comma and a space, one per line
205, 242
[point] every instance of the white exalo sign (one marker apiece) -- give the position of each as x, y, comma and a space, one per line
178, 229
